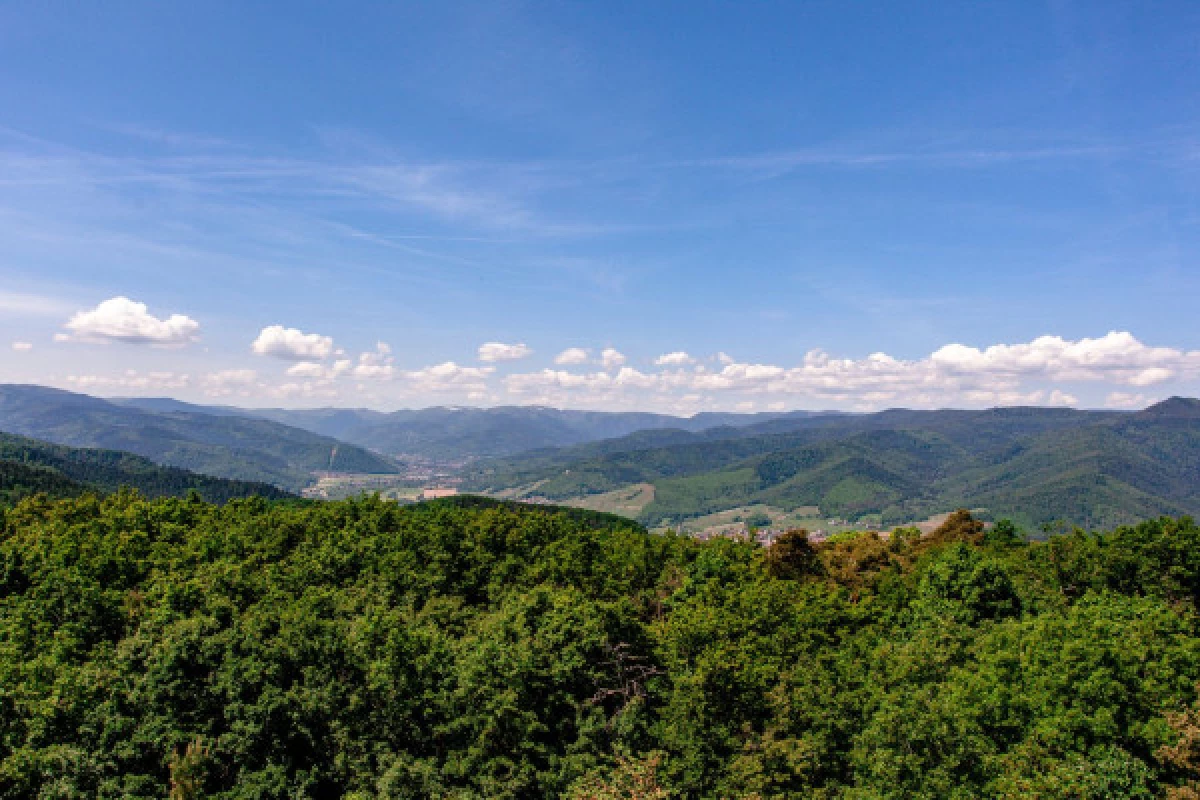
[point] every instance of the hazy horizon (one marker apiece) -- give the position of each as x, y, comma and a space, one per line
468, 406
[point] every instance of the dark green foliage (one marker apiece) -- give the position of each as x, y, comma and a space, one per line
474, 649
28, 466
19, 480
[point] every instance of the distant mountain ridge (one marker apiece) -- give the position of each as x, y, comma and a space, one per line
453, 433
232, 445
1096, 468
28, 466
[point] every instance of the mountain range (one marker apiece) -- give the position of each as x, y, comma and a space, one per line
234, 446
1037, 465
454, 433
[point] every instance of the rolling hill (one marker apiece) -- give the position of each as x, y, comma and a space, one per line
29, 466
1036, 465
229, 446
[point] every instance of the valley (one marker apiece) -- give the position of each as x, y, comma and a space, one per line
704, 474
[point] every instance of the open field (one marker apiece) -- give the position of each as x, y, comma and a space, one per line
764, 516
339, 485
518, 492
628, 501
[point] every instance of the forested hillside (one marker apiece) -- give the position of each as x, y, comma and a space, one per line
1035, 465
28, 466
228, 446
474, 649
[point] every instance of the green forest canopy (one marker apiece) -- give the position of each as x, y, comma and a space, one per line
468, 649
29, 466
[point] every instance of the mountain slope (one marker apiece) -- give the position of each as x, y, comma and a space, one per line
230, 446
1038, 465
28, 466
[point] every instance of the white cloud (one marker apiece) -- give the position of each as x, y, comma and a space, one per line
611, 358
1117, 356
1061, 398
549, 379
305, 389
676, 359
572, 355
231, 377
120, 319
375, 365
1127, 400
1005, 374
498, 351
743, 376
292, 344
306, 369
628, 376
132, 380
448, 377
231, 381
22, 347
725, 358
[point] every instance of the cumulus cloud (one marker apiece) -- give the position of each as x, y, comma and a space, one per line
498, 351
999, 370
22, 347
550, 379
571, 356
291, 344
375, 365
611, 358
449, 377
1047, 370
743, 376
120, 319
1117, 356
1004, 374
676, 359
628, 376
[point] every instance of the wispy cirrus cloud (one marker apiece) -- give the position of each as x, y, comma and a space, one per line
20, 304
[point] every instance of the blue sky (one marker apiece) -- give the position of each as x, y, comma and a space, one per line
776, 193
